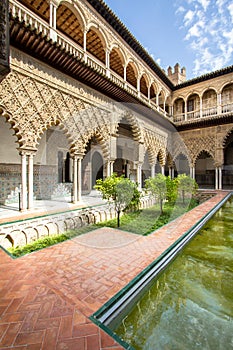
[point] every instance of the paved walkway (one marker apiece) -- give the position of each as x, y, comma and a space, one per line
9, 213
46, 297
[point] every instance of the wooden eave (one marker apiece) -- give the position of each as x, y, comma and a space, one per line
26, 39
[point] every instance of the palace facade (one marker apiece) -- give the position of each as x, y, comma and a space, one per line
81, 98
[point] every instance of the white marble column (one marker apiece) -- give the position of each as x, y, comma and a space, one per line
107, 62
111, 167
75, 180
23, 195
108, 168
85, 45
191, 172
194, 175
138, 86
185, 111
170, 171
79, 179
152, 171
30, 181
216, 178
219, 104
139, 176
53, 21
220, 178
163, 169
201, 111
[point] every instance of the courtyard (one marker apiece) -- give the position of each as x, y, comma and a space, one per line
48, 296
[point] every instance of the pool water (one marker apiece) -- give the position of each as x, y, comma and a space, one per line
190, 305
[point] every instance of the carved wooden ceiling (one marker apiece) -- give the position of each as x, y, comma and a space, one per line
40, 7
130, 75
116, 63
95, 45
68, 24
143, 86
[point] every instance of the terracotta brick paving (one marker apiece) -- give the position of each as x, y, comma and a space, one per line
46, 297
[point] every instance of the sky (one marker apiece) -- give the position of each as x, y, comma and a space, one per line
198, 34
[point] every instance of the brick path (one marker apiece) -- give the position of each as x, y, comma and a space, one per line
46, 297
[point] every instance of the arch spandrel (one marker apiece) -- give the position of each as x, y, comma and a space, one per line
211, 154
132, 121
31, 107
223, 140
79, 145
195, 141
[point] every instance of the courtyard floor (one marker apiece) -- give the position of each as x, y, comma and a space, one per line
46, 297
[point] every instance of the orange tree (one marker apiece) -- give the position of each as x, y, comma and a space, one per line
119, 190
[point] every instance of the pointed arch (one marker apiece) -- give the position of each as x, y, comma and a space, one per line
205, 169
151, 154
161, 156
182, 164
131, 120
202, 152
80, 147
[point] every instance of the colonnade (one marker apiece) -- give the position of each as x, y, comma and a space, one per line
27, 173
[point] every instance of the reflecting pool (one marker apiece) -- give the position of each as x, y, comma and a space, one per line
190, 305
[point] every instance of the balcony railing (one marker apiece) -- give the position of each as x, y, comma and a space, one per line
205, 113
227, 108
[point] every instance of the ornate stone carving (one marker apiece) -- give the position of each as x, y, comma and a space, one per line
4, 38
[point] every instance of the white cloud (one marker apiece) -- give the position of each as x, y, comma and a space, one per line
188, 17
195, 30
180, 9
204, 4
230, 9
208, 32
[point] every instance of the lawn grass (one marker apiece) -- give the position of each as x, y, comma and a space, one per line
141, 222
145, 221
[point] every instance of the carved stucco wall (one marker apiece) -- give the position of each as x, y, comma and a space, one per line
4, 39
34, 97
210, 139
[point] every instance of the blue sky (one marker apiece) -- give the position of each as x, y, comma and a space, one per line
198, 34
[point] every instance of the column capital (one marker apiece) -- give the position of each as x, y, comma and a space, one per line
27, 152
77, 155
55, 3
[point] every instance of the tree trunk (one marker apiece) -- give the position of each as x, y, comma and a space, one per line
118, 218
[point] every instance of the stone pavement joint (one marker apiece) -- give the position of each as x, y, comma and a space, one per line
47, 297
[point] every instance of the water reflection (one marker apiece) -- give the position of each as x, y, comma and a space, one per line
190, 306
